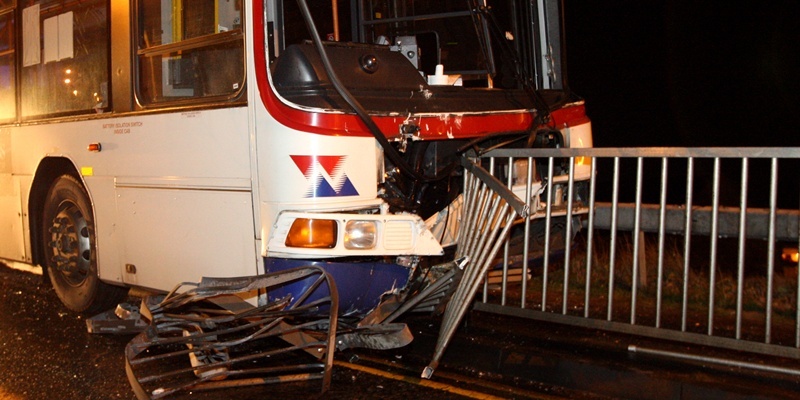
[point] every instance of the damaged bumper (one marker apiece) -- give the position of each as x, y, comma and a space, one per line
361, 284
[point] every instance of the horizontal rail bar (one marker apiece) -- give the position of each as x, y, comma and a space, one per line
646, 331
786, 227
653, 152
713, 360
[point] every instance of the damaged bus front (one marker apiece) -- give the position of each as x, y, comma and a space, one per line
369, 117
369, 106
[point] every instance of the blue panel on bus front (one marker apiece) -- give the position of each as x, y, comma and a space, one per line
360, 285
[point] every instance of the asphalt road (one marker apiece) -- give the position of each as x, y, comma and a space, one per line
46, 352
45, 349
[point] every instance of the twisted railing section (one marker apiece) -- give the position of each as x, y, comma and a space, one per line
488, 212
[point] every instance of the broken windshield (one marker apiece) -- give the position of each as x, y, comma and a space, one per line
383, 49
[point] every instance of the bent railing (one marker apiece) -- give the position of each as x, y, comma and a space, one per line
487, 215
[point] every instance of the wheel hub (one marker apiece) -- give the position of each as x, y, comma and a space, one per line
70, 244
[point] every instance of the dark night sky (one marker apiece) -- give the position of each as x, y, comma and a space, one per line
686, 72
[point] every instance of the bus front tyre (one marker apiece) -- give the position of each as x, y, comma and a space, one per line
71, 252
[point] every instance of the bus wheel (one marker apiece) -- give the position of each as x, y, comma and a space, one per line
70, 249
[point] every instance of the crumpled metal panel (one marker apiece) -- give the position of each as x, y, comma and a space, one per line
207, 338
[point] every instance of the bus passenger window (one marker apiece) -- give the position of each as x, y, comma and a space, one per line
64, 66
8, 99
194, 54
198, 18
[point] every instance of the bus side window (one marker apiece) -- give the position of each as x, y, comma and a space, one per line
198, 18
64, 58
194, 55
8, 98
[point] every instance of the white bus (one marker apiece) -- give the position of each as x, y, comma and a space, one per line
144, 143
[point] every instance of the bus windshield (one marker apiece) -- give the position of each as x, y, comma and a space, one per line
381, 47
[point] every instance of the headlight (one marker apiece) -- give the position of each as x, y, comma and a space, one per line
360, 235
312, 233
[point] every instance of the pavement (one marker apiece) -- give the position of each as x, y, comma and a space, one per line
45, 349
575, 362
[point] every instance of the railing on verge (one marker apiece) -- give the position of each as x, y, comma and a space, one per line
693, 288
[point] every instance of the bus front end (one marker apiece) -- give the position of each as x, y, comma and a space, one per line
368, 108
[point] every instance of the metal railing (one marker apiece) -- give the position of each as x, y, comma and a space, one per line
487, 214
716, 219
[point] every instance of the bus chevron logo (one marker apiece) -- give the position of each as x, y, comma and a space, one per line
326, 176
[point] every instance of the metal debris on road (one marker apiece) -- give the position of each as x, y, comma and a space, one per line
207, 337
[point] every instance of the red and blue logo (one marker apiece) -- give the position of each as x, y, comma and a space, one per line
326, 176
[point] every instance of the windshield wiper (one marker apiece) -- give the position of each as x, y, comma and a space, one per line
492, 29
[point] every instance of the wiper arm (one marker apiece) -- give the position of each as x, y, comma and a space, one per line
542, 109
484, 37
